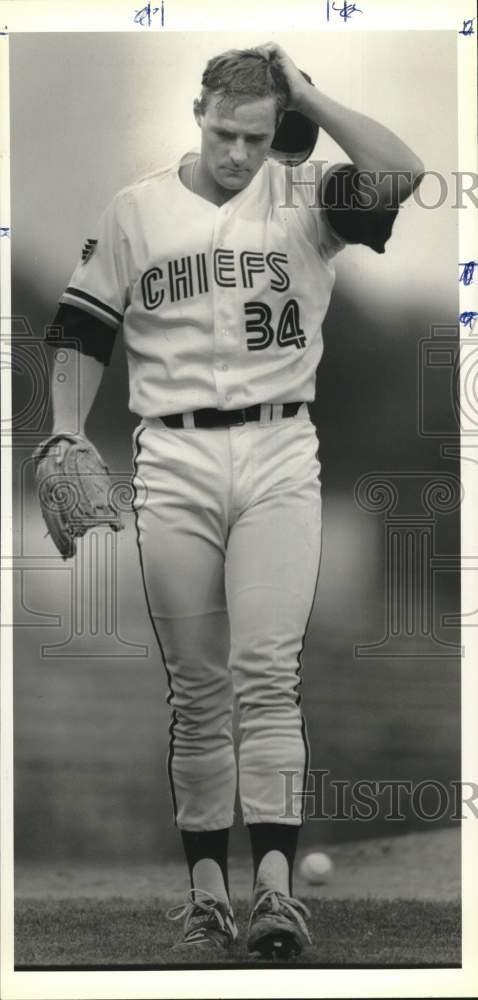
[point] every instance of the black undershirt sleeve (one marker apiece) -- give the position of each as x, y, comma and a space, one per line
83, 332
351, 212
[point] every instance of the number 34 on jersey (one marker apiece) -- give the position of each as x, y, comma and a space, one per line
262, 332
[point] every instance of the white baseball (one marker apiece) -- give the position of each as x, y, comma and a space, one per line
316, 868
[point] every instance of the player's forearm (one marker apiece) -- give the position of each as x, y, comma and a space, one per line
371, 146
74, 387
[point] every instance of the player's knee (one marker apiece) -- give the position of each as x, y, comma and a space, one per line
267, 683
200, 722
265, 706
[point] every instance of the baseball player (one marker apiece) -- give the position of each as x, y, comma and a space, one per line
219, 269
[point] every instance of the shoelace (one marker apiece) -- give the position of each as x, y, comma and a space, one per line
278, 902
202, 901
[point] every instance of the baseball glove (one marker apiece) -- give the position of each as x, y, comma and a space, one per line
74, 489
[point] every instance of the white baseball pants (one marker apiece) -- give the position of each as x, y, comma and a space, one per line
229, 526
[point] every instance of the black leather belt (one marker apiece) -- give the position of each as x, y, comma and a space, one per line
227, 418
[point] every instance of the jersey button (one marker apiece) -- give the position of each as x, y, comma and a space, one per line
225, 368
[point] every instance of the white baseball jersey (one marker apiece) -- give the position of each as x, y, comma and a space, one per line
221, 306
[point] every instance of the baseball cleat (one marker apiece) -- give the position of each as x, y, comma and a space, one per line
277, 928
207, 921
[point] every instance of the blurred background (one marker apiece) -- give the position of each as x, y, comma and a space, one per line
90, 114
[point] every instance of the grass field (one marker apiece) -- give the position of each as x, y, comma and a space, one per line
119, 933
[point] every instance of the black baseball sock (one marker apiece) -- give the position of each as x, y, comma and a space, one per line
206, 844
271, 837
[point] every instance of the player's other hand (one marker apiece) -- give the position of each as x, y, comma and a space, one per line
298, 86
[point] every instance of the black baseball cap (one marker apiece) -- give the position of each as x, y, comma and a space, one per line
295, 138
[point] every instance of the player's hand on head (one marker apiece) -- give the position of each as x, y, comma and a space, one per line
298, 86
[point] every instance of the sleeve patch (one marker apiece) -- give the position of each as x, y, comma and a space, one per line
88, 250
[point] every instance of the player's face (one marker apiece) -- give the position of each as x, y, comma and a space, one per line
235, 141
